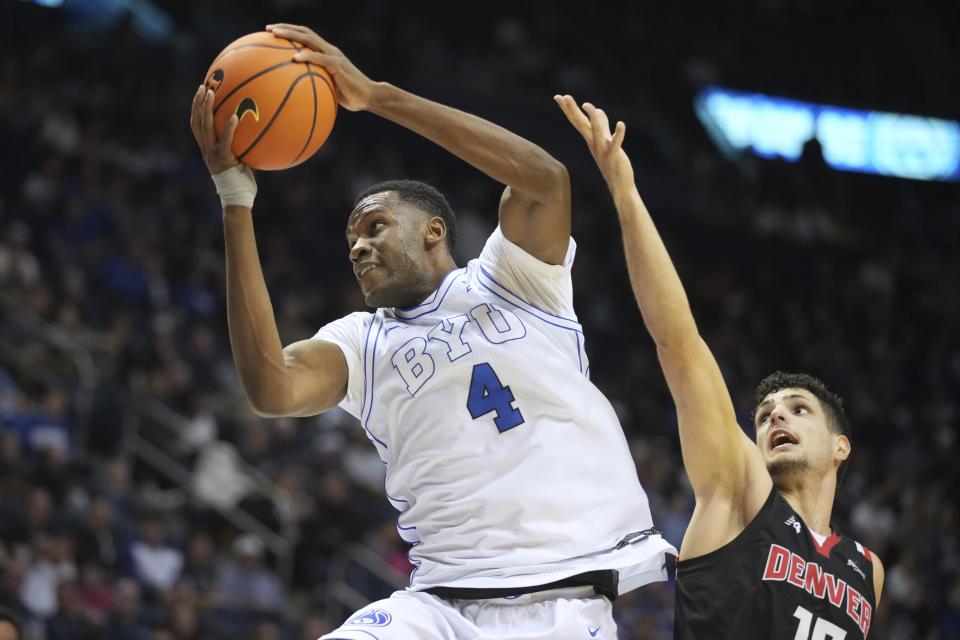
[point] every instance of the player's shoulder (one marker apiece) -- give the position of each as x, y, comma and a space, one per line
346, 328
510, 273
499, 248
860, 551
855, 548
356, 319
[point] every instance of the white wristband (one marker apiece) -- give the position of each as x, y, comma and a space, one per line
236, 186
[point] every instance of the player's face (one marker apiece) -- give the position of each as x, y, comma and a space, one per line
385, 236
794, 436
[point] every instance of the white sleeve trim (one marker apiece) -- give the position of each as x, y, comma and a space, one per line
339, 332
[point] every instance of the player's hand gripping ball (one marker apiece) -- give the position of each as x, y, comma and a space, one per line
286, 109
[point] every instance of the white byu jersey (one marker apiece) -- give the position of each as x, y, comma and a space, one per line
509, 467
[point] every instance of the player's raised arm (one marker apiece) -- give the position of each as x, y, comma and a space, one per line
306, 377
535, 208
724, 466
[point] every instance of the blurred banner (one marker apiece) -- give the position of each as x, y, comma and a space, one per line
890, 144
149, 20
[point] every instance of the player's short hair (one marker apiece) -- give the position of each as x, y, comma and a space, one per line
8, 616
422, 196
837, 420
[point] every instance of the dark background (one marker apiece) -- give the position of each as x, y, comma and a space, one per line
111, 246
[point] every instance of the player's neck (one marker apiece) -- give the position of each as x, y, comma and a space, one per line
429, 283
812, 498
439, 271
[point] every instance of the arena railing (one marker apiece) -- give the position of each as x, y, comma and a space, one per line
149, 425
353, 568
19, 328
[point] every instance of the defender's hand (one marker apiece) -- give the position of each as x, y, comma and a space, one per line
217, 154
606, 148
353, 87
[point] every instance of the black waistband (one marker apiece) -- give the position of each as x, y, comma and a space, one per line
604, 583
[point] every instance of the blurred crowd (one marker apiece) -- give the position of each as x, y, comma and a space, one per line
110, 239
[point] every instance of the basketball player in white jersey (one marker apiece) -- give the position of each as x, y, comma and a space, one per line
759, 558
512, 476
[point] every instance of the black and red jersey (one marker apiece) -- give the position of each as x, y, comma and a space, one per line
775, 580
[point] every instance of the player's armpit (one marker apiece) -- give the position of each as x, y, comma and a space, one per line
315, 380
539, 223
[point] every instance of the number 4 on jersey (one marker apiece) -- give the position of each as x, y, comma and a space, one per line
488, 394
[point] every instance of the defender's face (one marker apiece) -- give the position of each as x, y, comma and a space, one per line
385, 239
793, 434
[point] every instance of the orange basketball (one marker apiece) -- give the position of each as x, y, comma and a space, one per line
286, 108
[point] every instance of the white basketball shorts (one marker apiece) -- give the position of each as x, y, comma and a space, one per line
575, 613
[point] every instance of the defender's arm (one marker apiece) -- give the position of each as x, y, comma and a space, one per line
725, 469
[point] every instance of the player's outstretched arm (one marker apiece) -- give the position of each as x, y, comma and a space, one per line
306, 377
535, 208
724, 466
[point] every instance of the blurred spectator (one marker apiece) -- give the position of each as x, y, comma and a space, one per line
37, 515
95, 592
246, 583
872, 518
97, 540
184, 622
674, 515
51, 564
71, 621
156, 563
255, 444
315, 626
9, 397
51, 467
18, 266
125, 622
115, 487
11, 582
201, 566
12, 467
46, 427
334, 522
387, 543
266, 630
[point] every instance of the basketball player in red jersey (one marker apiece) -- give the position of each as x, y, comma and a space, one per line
759, 558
